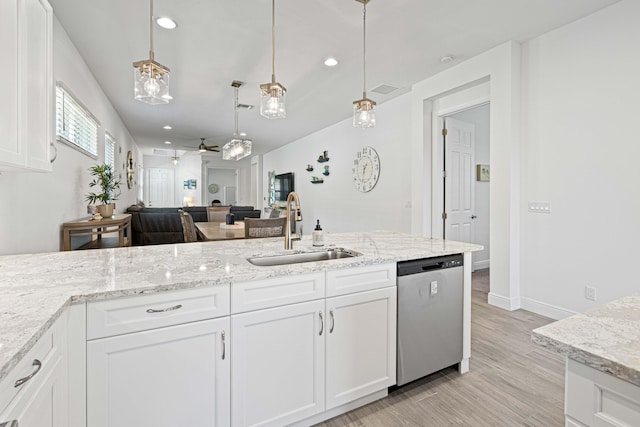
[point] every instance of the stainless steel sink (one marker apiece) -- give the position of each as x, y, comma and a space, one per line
295, 258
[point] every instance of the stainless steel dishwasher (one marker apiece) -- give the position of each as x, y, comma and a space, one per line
429, 316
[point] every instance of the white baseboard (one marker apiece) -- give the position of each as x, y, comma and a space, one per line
544, 309
509, 304
481, 265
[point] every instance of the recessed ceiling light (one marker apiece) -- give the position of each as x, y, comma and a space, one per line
166, 23
447, 58
167, 142
167, 127
243, 134
331, 62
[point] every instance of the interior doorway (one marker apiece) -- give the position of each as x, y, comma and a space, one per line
160, 191
466, 193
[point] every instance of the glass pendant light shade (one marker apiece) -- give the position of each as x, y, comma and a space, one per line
151, 89
237, 148
273, 100
150, 78
364, 114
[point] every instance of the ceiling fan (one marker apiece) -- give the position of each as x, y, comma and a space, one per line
204, 147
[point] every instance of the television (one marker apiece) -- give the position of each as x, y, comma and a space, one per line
283, 186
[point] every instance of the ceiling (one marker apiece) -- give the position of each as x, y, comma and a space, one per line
218, 41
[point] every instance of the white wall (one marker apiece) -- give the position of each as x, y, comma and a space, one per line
222, 178
581, 97
336, 202
188, 167
479, 117
32, 205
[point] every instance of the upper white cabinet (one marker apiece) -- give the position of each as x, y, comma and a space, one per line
26, 84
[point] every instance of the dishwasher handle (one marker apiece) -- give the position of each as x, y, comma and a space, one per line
424, 265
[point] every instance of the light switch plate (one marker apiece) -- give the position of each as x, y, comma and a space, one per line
540, 207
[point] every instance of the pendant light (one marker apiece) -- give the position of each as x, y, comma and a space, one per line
272, 95
175, 159
151, 79
237, 148
364, 115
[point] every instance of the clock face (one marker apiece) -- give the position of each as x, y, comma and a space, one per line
366, 169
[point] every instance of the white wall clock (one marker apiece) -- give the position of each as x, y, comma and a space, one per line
213, 188
366, 169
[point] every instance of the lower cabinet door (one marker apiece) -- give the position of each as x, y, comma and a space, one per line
44, 403
361, 345
167, 377
278, 364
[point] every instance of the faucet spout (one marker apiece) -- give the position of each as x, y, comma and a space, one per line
288, 239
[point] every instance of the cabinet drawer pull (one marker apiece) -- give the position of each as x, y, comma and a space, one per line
162, 310
21, 381
224, 347
332, 321
53, 159
321, 323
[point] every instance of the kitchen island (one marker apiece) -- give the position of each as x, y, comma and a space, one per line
36, 290
602, 347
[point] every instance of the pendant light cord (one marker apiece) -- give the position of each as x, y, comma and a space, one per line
151, 28
273, 40
364, 50
235, 108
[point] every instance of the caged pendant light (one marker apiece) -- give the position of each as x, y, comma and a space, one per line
272, 95
364, 115
237, 148
151, 79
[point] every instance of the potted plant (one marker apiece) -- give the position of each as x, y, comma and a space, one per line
104, 178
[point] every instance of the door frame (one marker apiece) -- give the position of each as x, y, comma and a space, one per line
437, 166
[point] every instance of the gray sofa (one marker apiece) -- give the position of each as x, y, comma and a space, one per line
157, 226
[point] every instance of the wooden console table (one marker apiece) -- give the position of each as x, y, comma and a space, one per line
120, 224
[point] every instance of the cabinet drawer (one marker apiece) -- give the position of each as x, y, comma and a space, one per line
45, 351
267, 293
597, 399
139, 313
342, 282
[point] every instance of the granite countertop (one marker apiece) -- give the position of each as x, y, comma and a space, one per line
36, 288
606, 338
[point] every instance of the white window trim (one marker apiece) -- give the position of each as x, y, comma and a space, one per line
64, 140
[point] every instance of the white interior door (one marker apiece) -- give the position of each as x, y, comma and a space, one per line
459, 195
161, 187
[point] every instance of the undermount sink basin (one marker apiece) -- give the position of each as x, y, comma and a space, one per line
295, 258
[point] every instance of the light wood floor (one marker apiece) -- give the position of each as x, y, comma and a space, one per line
512, 382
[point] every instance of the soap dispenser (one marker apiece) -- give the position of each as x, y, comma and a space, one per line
317, 235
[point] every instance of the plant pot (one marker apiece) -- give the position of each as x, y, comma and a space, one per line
106, 211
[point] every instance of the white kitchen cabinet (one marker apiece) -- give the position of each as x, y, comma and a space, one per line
360, 345
26, 84
596, 399
41, 400
166, 377
305, 362
278, 364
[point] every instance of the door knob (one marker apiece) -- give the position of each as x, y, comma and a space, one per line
473, 217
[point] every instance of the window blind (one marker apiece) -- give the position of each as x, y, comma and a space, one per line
110, 150
75, 125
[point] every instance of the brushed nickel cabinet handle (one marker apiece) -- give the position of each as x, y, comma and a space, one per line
21, 381
321, 323
224, 346
55, 153
162, 310
332, 321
